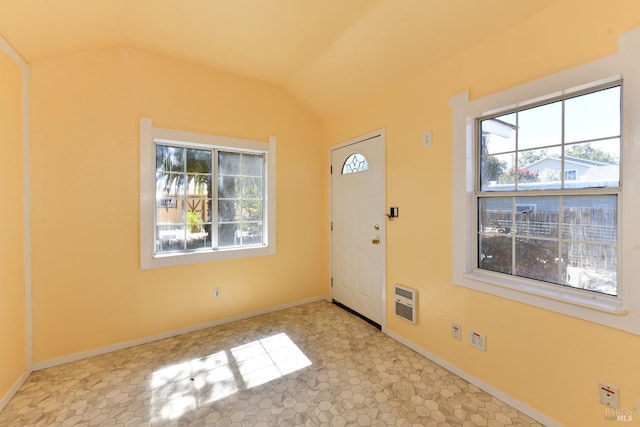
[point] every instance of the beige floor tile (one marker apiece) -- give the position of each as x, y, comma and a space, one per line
313, 365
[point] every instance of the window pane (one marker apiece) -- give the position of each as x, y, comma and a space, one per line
252, 233
228, 235
170, 215
537, 259
537, 216
229, 187
590, 218
539, 169
228, 163
198, 235
591, 266
199, 244
498, 134
355, 163
252, 165
596, 163
495, 215
169, 238
169, 184
593, 116
494, 172
197, 213
199, 185
198, 161
495, 253
169, 158
540, 126
495, 220
240, 234
252, 210
252, 188
198, 230
228, 211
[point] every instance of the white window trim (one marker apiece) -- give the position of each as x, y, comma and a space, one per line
622, 312
148, 134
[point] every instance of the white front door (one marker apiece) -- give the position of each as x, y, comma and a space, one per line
358, 255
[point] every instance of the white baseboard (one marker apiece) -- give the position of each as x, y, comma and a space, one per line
14, 389
126, 344
520, 406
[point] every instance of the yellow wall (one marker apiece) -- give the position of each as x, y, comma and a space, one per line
548, 361
88, 289
12, 284
89, 292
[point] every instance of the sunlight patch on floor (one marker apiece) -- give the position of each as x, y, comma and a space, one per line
185, 386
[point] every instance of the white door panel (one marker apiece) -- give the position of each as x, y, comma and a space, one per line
358, 236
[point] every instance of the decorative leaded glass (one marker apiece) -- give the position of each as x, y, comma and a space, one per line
355, 163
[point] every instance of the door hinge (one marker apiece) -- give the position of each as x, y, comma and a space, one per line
331, 170
331, 225
332, 282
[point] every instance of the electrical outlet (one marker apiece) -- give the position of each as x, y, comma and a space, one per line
477, 340
217, 293
456, 331
609, 395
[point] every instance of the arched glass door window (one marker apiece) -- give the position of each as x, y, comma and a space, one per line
355, 163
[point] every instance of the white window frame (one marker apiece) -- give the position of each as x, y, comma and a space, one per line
148, 136
621, 312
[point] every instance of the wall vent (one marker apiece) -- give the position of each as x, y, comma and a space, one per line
406, 302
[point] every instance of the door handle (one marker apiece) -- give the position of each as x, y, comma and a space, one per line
376, 241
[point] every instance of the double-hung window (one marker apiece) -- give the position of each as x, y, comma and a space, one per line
546, 191
204, 197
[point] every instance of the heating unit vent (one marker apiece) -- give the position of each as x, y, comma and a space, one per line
406, 301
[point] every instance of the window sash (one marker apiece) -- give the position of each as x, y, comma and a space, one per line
565, 190
180, 231
246, 220
559, 147
539, 239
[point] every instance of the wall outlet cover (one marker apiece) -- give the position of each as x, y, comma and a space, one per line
609, 395
478, 340
456, 331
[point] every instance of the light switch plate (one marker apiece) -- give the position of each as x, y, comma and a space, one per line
426, 139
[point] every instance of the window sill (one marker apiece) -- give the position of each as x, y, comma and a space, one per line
184, 258
564, 300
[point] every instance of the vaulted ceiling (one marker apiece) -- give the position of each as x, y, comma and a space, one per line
328, 54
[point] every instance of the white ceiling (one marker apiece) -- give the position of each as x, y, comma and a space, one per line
329, 54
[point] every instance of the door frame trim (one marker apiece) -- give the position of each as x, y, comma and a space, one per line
379, 132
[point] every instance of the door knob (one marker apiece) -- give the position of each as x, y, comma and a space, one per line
376, 241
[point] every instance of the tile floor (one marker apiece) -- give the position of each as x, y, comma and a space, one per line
312, 365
